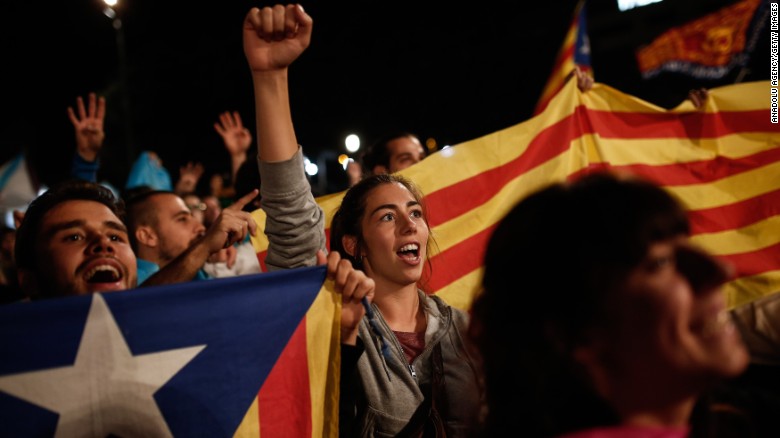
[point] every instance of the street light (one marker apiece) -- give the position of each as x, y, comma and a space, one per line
116, 22
352, 143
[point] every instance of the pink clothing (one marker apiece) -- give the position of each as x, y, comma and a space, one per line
630, 432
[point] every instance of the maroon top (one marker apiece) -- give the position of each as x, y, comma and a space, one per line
412, 343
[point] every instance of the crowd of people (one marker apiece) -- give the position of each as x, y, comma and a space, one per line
635, 340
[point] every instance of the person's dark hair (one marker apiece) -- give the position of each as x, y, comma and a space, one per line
562, 252
4, 229
248, 179
138, 211
71, 190
378, 154
347, 219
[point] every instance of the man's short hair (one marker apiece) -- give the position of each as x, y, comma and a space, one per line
71, 190
138, 211
378, 154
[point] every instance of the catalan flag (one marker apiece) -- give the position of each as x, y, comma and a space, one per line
722, 162
709, 47
242, 356
575, 51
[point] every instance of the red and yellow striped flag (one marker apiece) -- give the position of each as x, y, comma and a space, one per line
722, 162
300, 396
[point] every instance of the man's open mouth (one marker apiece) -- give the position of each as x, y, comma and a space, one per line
103, 274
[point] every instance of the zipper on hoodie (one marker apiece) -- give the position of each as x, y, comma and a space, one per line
428, 346
398, 347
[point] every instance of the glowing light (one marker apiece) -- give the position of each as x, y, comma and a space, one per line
310, 168
625, 5
352, 142
343, 159
431, 144
447, 151
110, 3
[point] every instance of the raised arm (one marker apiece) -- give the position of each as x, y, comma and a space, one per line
273, 38
230, 227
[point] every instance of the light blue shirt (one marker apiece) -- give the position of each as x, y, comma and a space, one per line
146, 269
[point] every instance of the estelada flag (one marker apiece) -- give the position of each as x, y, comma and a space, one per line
709, 47
181, 360
722, 162
17, 188
575, 51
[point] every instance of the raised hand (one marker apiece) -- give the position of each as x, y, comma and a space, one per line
273, 39
698, 97
189, 175
236, 137
275, 36
231, 225
584, 80
88, 124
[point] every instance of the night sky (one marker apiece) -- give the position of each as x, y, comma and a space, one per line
438, 69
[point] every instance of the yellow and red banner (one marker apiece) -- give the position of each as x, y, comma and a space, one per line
706, 48
722, 162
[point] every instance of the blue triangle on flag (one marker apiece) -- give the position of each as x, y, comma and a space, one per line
582, 41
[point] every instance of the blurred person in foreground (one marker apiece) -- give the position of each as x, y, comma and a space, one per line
625, 324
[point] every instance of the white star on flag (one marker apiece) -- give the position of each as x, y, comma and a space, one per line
108, 390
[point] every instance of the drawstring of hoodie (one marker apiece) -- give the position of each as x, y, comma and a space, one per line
383, 346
